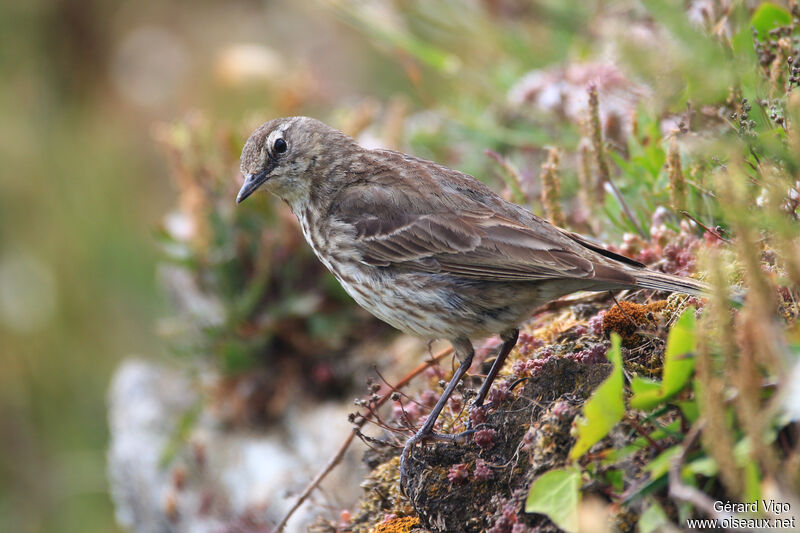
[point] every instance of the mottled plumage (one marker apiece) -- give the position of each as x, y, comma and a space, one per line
428, 249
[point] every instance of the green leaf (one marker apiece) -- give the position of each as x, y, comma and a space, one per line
679, 357
690, 410
704, 466
179, 435
743, 455
236, 357
659, 465
615, 478
653, 519
752, 482
641, 443
641, 385
605, 408
648, 487
678, 365
769, 16
557, 494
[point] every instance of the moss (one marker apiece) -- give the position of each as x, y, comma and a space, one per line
628, 319
382, 497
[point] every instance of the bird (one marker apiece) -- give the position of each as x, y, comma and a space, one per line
428, 249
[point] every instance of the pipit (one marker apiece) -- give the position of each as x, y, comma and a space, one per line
428, 249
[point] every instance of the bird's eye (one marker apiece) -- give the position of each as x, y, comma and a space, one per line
280, 146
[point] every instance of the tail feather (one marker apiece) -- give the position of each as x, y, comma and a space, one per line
651, 279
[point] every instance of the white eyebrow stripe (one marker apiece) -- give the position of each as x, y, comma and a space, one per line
276, 134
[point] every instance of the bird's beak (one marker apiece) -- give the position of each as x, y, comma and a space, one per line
251, 183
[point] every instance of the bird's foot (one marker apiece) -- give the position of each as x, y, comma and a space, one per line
424, 436
410, 443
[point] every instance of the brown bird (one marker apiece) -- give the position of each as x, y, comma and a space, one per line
428, 249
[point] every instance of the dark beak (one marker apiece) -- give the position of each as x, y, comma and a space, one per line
251, 183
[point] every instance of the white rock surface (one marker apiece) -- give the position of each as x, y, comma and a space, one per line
219, 479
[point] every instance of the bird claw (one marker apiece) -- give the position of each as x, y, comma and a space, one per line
422, 436
419, 436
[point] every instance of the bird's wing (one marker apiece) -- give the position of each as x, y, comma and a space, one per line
477, 244
411, 213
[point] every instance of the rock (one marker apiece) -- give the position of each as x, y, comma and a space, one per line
174, 467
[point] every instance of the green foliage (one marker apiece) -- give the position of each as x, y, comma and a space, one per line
605, 408
653, 519
557, 495
180, 434
660, 465
678, 366
768, 16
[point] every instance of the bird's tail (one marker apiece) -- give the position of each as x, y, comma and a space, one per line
651, 279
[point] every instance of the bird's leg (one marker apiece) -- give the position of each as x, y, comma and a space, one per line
509, 341
465, 352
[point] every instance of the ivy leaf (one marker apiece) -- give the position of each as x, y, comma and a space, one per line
605, 408
557, 494
678, 366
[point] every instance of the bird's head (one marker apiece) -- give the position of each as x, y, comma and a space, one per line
282, 156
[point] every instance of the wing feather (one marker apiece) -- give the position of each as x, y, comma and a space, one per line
476, 235
490, 248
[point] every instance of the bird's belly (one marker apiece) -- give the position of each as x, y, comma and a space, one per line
430, 307
412, 311
397, 301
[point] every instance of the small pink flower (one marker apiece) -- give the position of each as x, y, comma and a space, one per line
485, 438
483, 471
458, 473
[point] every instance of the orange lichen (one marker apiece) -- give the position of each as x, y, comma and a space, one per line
628, 319
403, 524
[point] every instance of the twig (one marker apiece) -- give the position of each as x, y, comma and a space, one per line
551, 190
598, 146
438, 370
406, 420
641, 431
386, 382
337, 457
677, 181
624, 312
711, 231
